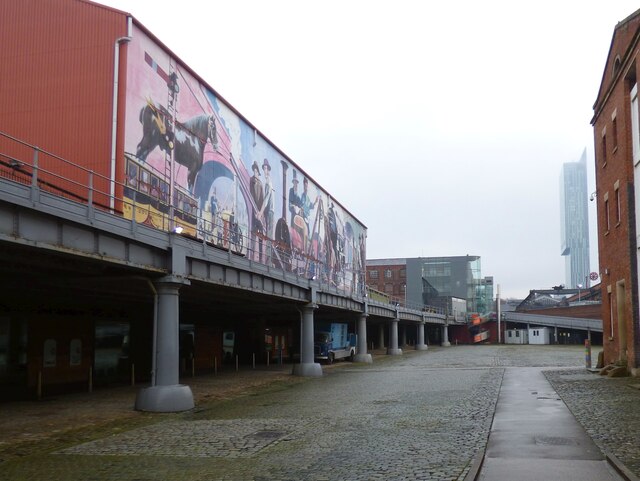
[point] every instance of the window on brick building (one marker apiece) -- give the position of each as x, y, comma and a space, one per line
373, 274
388, 288
403, 273
618, 214
603, 148
614, 131
606, 213
388, 274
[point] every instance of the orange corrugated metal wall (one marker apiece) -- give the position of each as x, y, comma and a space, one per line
56, 78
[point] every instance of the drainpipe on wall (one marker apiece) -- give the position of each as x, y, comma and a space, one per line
114, 119
155, 332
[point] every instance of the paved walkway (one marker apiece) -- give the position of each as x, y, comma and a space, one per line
534, 436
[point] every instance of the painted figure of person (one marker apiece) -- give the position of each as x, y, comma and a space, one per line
295, 203
305, 200
257, 224
267, 204
213, 208
333, 253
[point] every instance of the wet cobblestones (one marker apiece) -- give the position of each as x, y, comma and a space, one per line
607, 408
420, 416
223, 438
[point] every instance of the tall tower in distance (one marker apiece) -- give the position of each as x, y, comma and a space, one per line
574, 222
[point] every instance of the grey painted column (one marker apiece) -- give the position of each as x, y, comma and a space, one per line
362, 355
420, 345
393, 349
307, 367
166, 394
445, 335
381, 337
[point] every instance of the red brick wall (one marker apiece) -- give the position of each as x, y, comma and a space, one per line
397, 281
591, 311
460, 335
614, 172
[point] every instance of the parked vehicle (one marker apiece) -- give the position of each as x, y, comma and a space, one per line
333, 341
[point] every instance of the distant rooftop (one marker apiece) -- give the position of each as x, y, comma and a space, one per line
403, 260
387, 262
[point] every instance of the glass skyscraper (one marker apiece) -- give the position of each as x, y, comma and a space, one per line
574, 222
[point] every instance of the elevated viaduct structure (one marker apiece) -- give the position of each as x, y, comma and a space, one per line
71, 264
566, 329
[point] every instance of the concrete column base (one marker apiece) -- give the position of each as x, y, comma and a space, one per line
421, 347
446, 344
165, 399
394, 352
307, 369
363, 358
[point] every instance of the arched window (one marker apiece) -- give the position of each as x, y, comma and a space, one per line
616, 65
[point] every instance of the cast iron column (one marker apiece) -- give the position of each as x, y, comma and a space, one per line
420, 345
393, 349
362, 355
167, 395
307, 367
445, 335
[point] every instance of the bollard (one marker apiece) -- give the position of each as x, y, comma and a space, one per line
236, 363
267, 358
193, 366
133, 374
254, 360
587, 353
39, 386
215, 365
90, 379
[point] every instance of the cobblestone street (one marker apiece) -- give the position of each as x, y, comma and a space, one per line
421, 416
607, 408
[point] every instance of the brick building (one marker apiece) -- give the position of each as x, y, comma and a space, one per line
617, 153
388, 276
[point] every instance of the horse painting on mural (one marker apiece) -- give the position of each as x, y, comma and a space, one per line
186, 139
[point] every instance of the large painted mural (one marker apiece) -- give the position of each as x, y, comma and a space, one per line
191, 162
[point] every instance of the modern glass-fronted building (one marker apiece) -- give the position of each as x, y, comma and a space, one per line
574, 222
433, 281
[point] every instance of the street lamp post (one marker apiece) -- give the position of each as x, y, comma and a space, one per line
498, 315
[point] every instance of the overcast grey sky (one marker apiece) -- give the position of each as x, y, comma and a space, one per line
442, 126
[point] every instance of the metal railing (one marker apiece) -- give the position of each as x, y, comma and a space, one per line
44, 171
29, 165
398, 301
